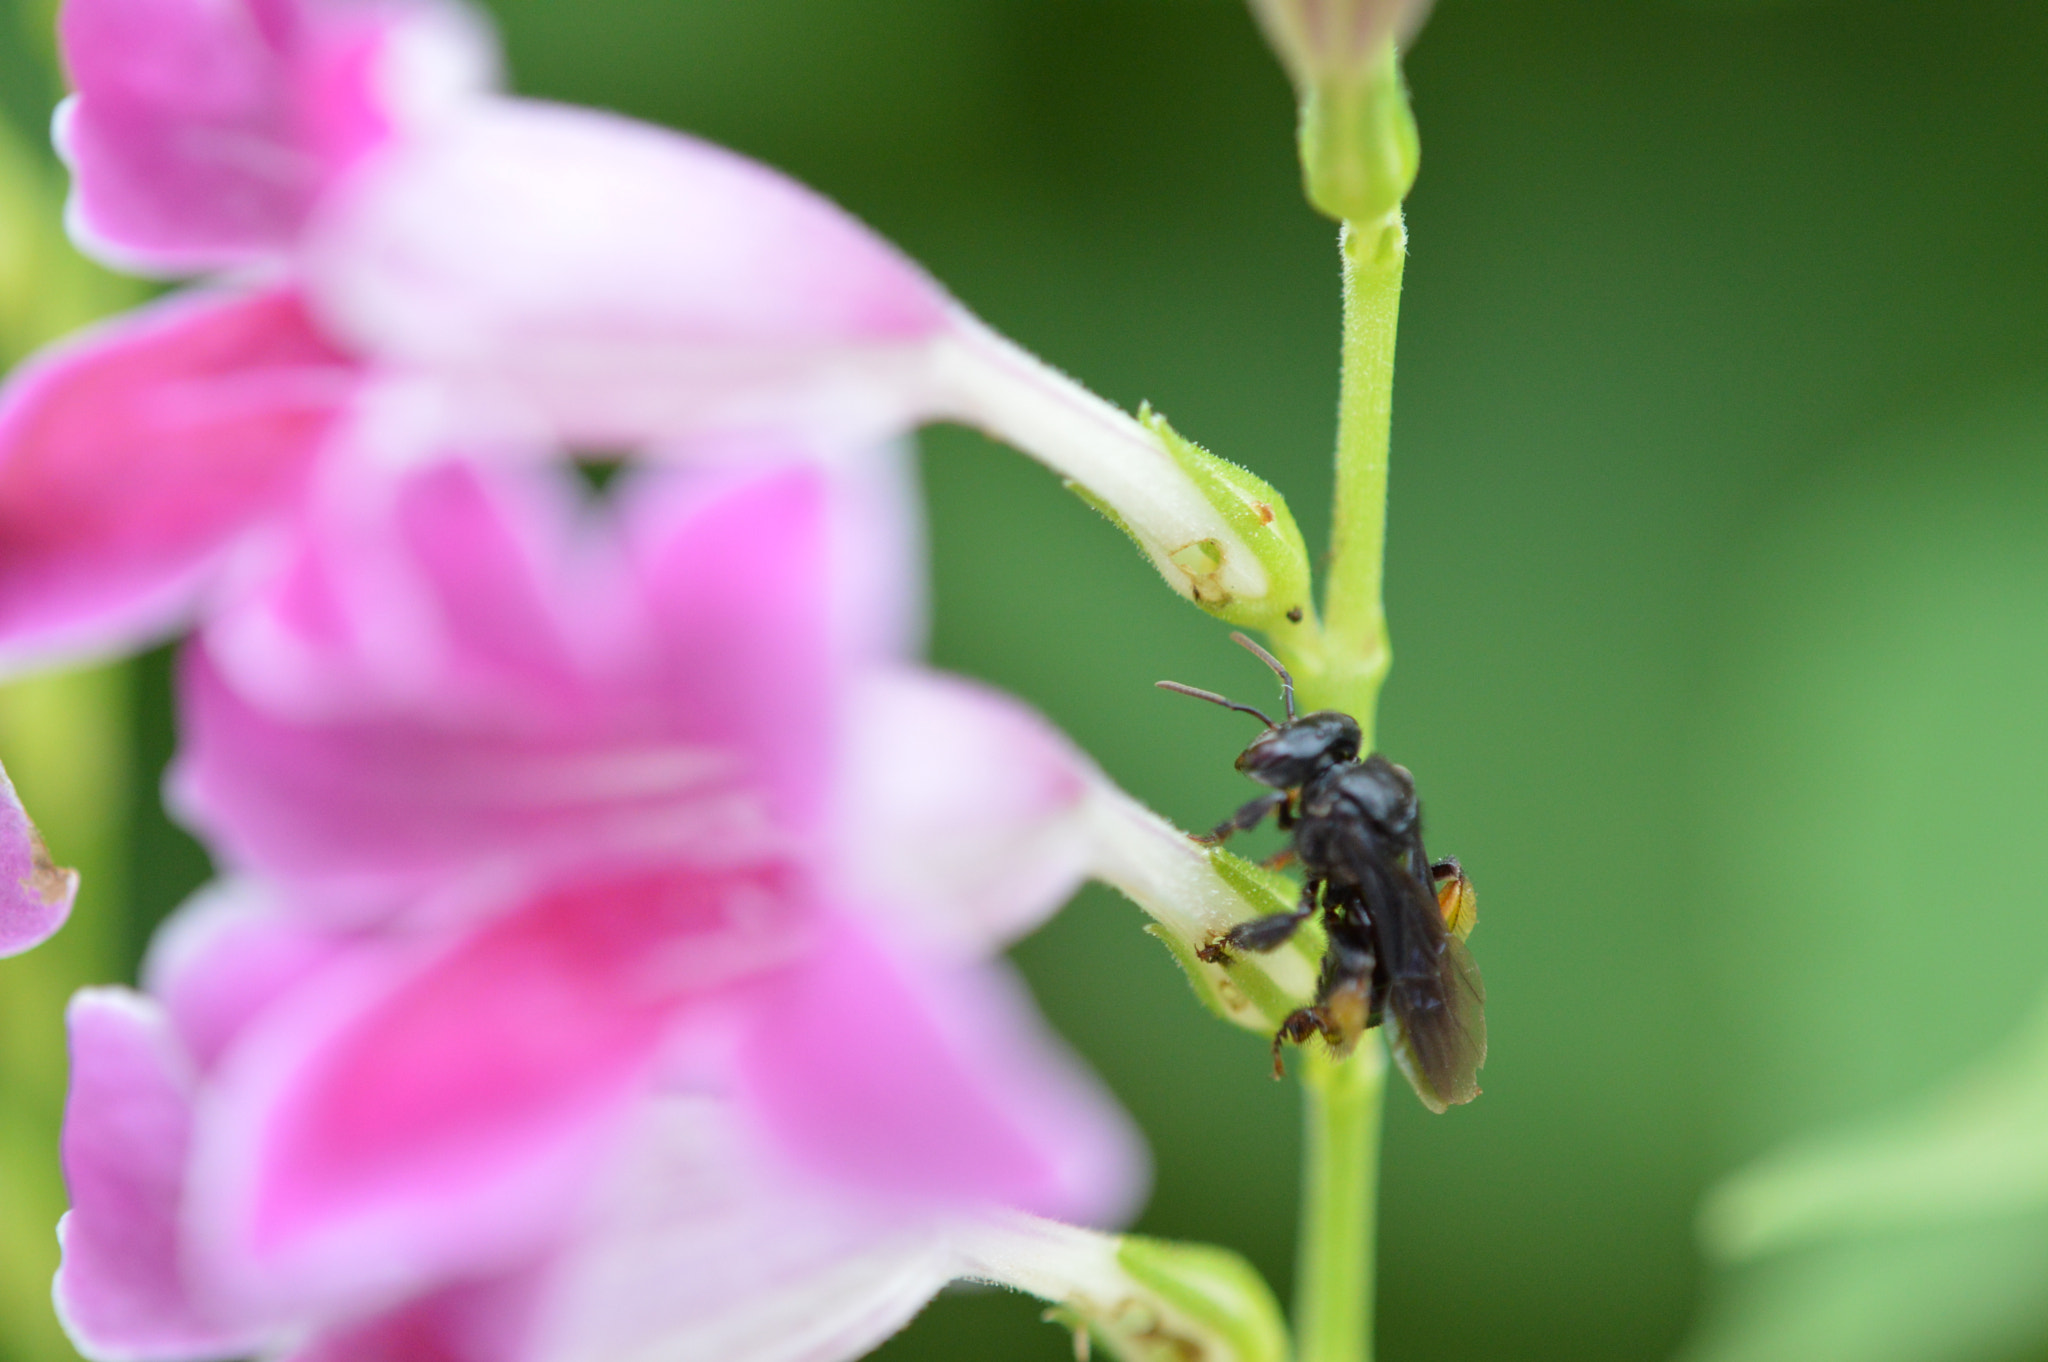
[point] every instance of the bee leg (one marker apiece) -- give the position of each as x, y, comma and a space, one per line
1300, 1025
1263, 933
1279, 860
1247, 817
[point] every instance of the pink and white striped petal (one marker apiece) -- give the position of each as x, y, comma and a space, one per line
572, 275
697, 721
122, 1292
134, 457
961, 812
703, 1247
203, 131
934, 1087
402, 1121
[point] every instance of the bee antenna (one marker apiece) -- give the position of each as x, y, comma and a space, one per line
1213, 698
1286, 681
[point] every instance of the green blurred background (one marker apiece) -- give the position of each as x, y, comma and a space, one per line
1719, 557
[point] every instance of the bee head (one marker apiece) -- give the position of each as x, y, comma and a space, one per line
1287, 755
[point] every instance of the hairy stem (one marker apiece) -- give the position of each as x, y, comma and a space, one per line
1339, 1204
1356, 653
1342, 1099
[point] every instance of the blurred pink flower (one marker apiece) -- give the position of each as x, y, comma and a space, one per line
35, 893
419, 262
604, 968
201, 135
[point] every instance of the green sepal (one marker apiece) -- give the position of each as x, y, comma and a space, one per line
1359, 147
1215, 988
1213, 1289
1240, 992
1273, 892
1255, 509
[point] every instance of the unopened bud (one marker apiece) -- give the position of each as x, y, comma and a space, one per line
1322, 40
1359, 150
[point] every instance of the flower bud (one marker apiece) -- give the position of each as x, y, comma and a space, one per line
1321, 40
1358, 145
1142, 1300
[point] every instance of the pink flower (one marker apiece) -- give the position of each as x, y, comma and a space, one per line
420, 262
35, 893
202, 135
604, 971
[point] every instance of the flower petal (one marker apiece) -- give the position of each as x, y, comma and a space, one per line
120, 1292
36, 894
132, 457
618, 283
736, 571
872, 555
405, 1120
935, 1087
225, 956
960, 810
450, 590
471, 1322
696, 728
703, 1249
203, 130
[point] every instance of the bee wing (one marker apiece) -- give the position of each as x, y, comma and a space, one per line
1436, 1002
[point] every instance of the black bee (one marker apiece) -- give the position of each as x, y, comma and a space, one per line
1395, 921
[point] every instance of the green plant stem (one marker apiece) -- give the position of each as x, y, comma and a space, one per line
1356, 653
1341, 1102
1342, 1099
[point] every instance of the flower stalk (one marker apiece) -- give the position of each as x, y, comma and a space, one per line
1343, 1099
1357, 653
1334, 1268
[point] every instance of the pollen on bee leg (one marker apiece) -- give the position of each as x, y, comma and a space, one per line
1456, 899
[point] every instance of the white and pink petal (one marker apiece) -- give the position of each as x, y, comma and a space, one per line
136, 456
695, 722
205, 146
961, 814
605, 282
703, 1247
414, 1115
123, 1293
933, 1085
